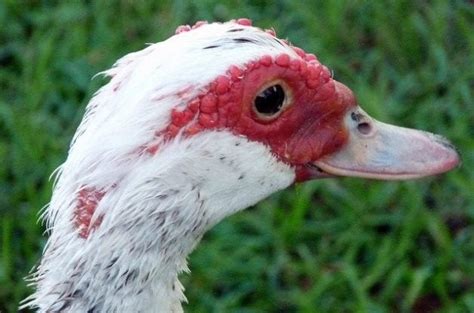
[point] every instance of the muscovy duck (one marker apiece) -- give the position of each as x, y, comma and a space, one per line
187, 132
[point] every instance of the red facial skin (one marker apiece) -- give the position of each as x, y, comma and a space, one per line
310, 127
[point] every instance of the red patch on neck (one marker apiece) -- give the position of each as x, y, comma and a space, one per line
88, 199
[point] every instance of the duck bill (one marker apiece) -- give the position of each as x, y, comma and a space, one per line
382, 151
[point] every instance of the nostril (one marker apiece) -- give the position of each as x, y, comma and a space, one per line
364, 128
356, 116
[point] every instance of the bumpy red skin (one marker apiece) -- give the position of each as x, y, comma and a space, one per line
309, 128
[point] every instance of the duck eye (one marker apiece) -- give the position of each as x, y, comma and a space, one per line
270, 101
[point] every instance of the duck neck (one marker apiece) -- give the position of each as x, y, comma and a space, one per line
130, 265
150, 222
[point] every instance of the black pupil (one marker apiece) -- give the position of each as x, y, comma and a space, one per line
270, 100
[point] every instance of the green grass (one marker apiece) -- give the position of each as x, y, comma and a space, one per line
345, 245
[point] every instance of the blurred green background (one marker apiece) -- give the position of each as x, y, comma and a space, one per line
346, 245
